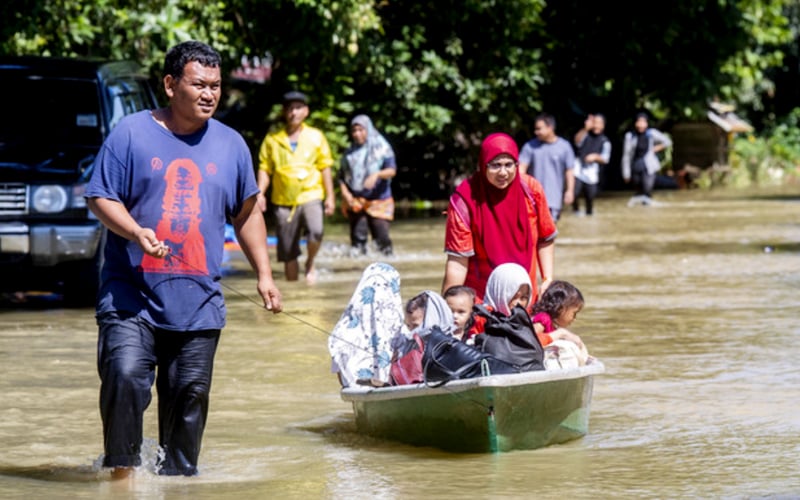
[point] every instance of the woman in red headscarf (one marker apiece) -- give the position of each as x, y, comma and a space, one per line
496, 216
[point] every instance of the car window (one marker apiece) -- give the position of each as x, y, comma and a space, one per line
56, 111
127, 96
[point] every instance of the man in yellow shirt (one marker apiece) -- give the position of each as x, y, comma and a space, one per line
296, 161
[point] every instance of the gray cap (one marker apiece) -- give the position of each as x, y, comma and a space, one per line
293, 96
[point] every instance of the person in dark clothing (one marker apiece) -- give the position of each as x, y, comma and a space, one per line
593, 151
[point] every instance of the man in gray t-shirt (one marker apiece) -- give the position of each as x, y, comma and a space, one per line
550, 159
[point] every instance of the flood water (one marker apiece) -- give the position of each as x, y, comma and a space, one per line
692, 306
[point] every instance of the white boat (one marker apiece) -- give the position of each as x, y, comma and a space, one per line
486, 414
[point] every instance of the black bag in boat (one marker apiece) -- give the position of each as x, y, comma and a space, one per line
446, 358
510, 338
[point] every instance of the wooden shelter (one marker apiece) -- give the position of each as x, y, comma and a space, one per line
706, 144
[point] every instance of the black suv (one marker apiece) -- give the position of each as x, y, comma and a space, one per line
57, 113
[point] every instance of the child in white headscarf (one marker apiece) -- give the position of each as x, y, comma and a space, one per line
509, 285
423, 313
508, 332
426, 310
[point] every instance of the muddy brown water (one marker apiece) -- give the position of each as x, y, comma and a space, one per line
691, 304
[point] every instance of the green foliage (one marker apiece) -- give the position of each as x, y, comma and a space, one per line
768, 29
118, 29
437, 76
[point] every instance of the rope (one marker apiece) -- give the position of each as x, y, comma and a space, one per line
261, 305
484, 367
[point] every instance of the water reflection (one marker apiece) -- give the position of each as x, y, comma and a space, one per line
694, 320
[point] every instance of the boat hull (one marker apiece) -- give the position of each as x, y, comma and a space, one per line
487, 414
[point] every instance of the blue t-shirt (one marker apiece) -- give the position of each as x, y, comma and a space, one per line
548, 162
184, 188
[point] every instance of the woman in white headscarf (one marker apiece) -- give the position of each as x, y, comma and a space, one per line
367, 168
361, 342
372, 327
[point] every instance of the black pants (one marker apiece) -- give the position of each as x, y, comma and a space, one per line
363, 224
129, 351
588, 192
642, 180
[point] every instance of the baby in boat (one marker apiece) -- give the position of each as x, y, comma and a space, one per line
461, 299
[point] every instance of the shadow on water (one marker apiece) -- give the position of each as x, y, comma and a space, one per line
775, 197
683, 247
341, 431
55, 473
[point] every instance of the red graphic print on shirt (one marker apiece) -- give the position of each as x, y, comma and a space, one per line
179, 226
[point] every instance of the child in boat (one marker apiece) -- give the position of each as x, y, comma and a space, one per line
426, 310
508, 332
509, 285
512, 286
461, 298
415, 311
506, 281
558, 307
422, 312
556, 310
